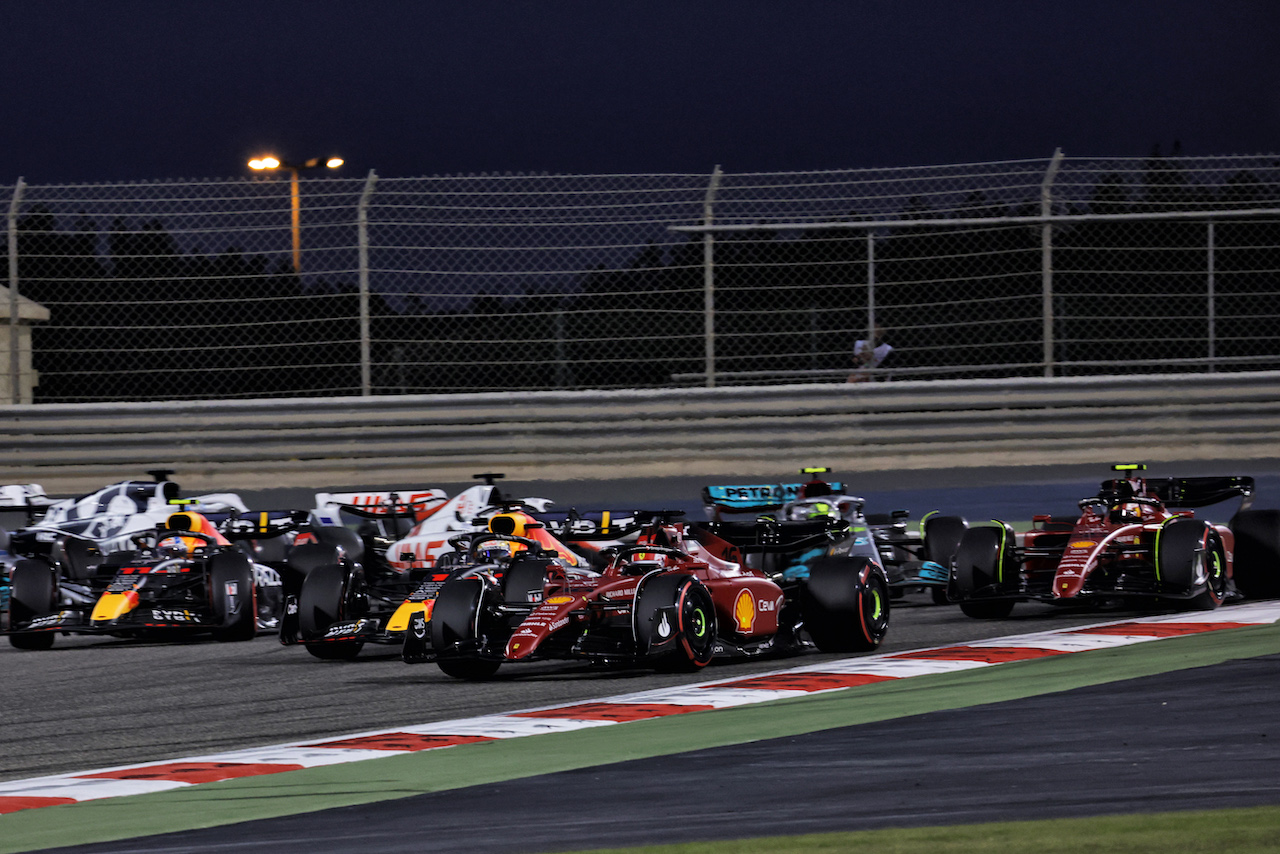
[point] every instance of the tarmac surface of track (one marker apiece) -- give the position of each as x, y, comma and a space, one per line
97, 702
1192, 739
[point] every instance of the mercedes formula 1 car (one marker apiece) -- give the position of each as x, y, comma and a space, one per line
913, 556
183, 576
1138, 539
669, 600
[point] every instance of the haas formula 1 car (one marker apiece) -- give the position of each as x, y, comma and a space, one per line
913, 556
182, 576
672, 599
1137, 539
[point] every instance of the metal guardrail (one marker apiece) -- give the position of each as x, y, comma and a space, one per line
722, 432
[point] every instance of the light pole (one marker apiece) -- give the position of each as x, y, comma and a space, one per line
270, 163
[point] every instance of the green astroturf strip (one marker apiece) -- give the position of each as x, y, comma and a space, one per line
1253, 830
404, 775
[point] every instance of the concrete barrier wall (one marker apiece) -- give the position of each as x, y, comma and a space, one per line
730, 432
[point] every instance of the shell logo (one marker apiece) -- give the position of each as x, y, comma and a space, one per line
744, 611
1083, 544
560, 600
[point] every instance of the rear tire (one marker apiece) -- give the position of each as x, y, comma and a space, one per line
841, 612
454, 621
978, 564
1257, 553
33, 591
942, 535
330, 594
524, 581
236, 610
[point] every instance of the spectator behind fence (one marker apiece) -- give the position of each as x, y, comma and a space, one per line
869, 355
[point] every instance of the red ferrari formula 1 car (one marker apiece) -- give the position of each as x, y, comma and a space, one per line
671, 600
1137, 539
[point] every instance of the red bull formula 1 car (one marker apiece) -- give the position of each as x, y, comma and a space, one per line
368, 552
183, 576
1136, 540
669, 600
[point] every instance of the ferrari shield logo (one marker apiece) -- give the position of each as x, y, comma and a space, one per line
744, 611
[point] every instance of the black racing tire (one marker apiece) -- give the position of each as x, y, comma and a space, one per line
454, 620
333, 593
692, 640
942, 535
1183, 548
33, 590
232, 597
1256, 568
841, 611
524, 581
977, 565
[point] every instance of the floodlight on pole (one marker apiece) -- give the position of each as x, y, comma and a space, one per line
269, 163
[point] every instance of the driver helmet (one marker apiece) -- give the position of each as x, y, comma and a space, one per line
822, 510
176, 545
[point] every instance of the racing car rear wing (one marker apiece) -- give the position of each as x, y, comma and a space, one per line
573, 524
755, 498
372, 505
1190, 492
264, 524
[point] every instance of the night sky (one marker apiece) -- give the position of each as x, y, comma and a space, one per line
126, 90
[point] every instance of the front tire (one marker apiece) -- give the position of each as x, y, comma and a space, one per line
232, 596
33, 591
845, 604
455, 621
675, 612
1189, 553
330, 594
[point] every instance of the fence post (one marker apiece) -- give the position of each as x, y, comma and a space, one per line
1046, 258
15, 354
362, 235
871, 288
1212, 287
709, 279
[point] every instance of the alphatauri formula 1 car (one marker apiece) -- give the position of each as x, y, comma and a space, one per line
1138, 539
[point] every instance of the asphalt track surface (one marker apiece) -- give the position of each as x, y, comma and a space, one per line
1195, 739
92, 703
